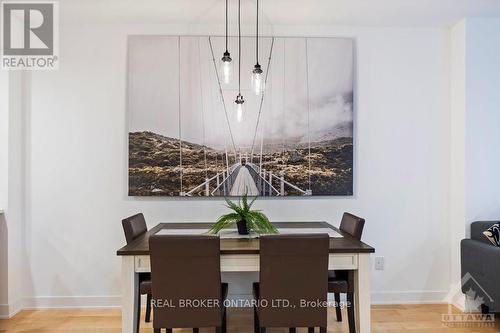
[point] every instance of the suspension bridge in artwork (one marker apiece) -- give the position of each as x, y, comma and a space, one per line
244, 176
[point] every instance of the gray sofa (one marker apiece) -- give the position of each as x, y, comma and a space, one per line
481, 260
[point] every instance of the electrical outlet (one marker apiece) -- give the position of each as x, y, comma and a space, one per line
379, 263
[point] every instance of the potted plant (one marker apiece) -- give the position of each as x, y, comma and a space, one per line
245, 218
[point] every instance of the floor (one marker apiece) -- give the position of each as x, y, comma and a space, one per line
387, 318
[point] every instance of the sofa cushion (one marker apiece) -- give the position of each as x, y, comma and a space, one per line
493, 234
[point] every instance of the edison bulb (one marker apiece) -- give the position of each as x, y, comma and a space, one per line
239, 107
239, 112
257, 83
226, 71
226, 67
257, 80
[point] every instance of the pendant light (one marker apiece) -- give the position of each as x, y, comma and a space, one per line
226, 64
239, 99
239, 108
257, 79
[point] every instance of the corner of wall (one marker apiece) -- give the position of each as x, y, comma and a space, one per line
4, 149
14, 267
457, 150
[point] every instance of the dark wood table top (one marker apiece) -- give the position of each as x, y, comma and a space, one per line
346, 244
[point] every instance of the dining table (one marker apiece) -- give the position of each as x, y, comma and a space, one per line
240, 253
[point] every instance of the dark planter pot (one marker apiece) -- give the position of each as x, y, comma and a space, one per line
242, 227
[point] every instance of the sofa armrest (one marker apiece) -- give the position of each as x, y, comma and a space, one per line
482, 262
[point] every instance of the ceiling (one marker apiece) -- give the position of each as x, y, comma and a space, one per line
413, 13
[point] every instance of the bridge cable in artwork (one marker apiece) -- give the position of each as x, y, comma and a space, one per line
281, 179
222, 95
308, 117
246, 177
202, 111
262, 97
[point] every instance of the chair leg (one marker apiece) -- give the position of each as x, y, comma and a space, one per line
196, 330
256, 324
157, 330
310, 330
148, 308
292, 330
224, 321
338, 310
138, 312
262, 330
169, 330
218, 329
322, 330
350, 313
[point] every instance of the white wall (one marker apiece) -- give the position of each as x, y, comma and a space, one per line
77, 175
482, 119
475, 128
4, 136
15, 212
14, 89
457, 153
12, 138
4, 149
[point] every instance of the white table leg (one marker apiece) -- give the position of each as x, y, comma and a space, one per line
362, 298
130, 285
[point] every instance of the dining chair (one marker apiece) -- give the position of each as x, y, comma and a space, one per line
292, 268
342, 282
186, 282
133, 227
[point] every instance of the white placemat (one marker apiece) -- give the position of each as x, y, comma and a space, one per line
233, 234
223, 234
332, 233
181, 231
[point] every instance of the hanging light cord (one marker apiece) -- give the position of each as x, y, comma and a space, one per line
239, 47
226, 25
257, 36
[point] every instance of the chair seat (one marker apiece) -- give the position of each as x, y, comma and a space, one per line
145, 286
338, 286
338, 274
338, 282
145, 283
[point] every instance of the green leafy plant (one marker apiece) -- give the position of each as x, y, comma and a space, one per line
246, 219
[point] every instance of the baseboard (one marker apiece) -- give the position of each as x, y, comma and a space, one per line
459, 303
409, 297
4, 311
8, 311
383, 298
82, 302
392, 297
72, 302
